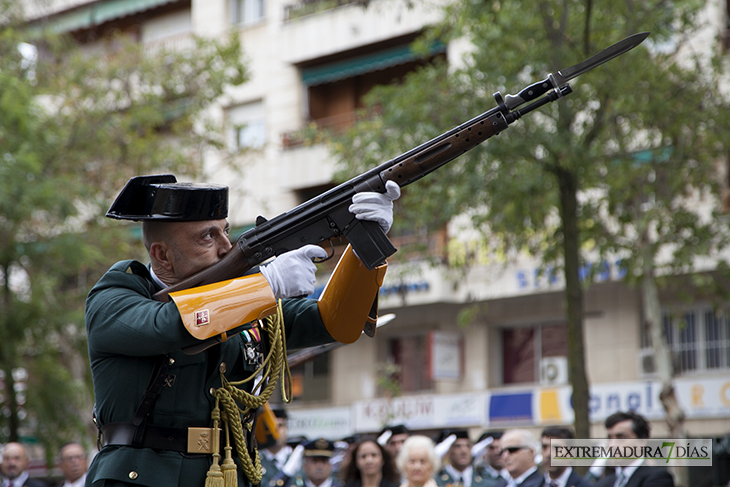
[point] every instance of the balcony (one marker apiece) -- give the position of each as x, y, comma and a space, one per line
309, 134
175, 43
303, 8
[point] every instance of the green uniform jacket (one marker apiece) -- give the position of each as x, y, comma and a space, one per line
128, 332
479, 478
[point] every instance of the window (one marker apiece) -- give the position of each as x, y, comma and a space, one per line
311, 380
523, 349
698, 339
246, 126
337, 84
247, 12
409, 355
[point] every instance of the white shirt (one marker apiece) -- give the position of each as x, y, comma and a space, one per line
17, 481
465, 476
279, 457
561, 481
521, 478
157, 279
326, 483
628, 471
78, 483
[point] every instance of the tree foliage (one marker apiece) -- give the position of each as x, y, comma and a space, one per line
77, 122
639, 139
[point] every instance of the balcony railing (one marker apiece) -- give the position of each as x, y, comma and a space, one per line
335, 123
307, 7
177, 43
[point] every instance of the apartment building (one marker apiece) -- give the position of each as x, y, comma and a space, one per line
312, 61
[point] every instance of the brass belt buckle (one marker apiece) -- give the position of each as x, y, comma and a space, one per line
200, 440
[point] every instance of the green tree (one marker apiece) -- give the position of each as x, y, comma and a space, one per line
75, 125
551, 184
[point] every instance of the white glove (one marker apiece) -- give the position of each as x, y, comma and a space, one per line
292, 273
538, 459
294, 464
478, 450
383, 439
599, 465
376, 207
443, 448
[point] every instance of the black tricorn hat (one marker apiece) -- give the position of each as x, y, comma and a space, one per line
280, 413
463, 434
161, 197
398, 429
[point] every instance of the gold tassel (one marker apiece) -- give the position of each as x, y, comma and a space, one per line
230, 476
214, 477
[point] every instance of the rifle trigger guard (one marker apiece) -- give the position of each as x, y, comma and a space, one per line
319, 261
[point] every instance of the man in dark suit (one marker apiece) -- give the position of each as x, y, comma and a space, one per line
74, 464
519, 448
556, 476
14, 467
630, 425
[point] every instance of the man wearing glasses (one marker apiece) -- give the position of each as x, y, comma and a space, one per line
519, 448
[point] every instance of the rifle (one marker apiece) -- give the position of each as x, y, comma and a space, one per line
326, 216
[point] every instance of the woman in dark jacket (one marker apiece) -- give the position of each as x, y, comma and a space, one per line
370, 465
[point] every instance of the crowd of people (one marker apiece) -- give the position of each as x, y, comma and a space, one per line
397, 457
14, 467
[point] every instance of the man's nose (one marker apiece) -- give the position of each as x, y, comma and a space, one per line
224, 247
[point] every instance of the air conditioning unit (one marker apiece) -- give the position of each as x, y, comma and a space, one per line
647, 366
554, 371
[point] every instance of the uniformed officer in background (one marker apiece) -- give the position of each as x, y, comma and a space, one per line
274, 457
314, 458
458, 470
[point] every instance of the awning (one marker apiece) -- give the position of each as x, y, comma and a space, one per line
97, 13
386, 58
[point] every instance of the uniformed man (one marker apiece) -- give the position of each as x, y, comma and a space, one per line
489, 463
393, 437
274, 457
314, 458
156, 405
458, 471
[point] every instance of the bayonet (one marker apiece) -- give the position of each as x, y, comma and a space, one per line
560, 78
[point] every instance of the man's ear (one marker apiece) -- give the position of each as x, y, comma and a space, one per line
159, 253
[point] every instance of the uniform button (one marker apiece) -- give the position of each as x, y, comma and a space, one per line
212, 391
222, 368
133, 475
171, 361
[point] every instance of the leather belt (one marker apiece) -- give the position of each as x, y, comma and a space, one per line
184, 440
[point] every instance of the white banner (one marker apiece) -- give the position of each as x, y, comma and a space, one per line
420, 412
330, 423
